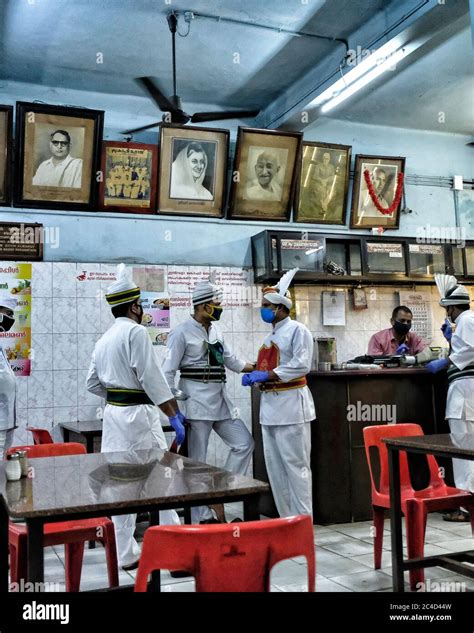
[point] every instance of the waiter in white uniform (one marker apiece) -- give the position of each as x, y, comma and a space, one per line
7, 377
460, 366
125, 371
197, 349
286, 405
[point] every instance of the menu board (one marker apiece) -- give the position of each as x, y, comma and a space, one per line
15, 282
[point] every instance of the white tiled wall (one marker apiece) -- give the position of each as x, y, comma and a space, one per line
68, 317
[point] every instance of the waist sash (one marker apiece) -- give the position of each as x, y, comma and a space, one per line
207, 373
127, 397
454, 373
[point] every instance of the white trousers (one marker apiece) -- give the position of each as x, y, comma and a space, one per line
287, 450
128, 550
462, 432
235, 434
6, 439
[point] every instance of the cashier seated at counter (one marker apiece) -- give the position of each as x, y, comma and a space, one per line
398, 339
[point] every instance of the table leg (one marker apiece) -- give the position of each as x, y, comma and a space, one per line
396, 519
35, 551
3, 549
65, 434
90, 443
155, 584
251, 512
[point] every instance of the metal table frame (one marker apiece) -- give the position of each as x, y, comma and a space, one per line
451, 561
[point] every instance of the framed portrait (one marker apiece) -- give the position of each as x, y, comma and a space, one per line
193, 170
377, 192
264, 175
6, 122
359, 299
129, 173
57, 158
321, 195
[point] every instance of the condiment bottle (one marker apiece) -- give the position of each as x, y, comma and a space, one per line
13, 467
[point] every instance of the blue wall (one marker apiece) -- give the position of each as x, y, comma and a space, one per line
101, 237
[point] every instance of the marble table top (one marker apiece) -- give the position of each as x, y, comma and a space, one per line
73, 484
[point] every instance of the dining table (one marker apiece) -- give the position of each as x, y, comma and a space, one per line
91, 485
439, 445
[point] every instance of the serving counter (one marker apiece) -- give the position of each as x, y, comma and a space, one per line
341, 483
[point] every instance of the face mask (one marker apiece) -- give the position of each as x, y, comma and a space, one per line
215, 313
6, 322
268, 315
401, 328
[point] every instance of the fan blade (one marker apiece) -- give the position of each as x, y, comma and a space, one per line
155, 93
140, 129
202, 117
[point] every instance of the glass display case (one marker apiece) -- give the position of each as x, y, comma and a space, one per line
350, 259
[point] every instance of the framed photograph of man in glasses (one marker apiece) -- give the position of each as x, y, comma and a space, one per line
6, 120
57, 162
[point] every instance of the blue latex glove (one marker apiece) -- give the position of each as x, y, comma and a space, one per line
437, 365
255, 376
177, 422
447, 330
402, 349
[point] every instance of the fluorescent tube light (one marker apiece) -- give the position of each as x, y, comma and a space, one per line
365, 79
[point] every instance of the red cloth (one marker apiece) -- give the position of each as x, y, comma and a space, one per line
384, 342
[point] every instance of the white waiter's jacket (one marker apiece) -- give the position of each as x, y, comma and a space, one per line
294, 406
187, 347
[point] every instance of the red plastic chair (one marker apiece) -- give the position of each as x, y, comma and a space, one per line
228, 557
71, 534
416, 504
40, 436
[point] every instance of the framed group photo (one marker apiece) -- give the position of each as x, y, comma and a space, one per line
193, 170
6, 123
129, 172
377, 192
264, 175
57, 161
323, 183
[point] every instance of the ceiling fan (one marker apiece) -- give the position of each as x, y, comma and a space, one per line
172, 106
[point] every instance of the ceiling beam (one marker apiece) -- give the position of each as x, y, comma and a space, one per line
290, 110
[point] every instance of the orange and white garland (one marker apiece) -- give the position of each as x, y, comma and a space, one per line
398, 193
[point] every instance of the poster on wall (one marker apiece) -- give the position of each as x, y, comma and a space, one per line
15, 281
156, 316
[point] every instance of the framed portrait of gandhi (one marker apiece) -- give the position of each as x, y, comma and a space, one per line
323, 181
377, 192
264, 175
6, 122
128, 182
193, 170
58, 160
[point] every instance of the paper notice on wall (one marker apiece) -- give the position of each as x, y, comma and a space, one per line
420, 304
156, 316
15, 283
237, 286
334, 307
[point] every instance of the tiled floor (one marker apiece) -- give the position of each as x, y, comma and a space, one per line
344, 561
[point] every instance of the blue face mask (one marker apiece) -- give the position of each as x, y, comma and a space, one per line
268, 315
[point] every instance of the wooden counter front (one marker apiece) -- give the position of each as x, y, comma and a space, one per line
341, 483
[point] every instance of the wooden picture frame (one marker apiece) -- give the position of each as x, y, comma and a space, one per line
385, 173
6, 151
129, 177
193, 170
59, 172
322, 183
264, 175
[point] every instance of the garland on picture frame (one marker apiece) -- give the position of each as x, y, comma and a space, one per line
398, 193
